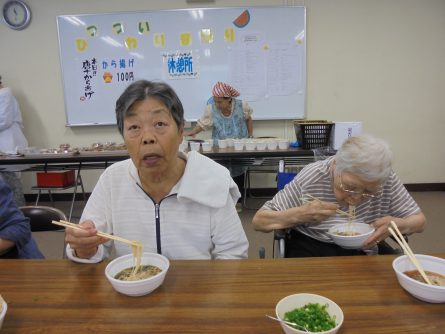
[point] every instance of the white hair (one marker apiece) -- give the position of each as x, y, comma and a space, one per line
367, 157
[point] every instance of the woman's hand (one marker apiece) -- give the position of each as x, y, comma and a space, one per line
381, 231
406, 225
314, 212
84, 242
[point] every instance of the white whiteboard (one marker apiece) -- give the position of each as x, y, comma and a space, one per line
261, 52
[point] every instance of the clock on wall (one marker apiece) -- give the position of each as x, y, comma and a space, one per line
16, 14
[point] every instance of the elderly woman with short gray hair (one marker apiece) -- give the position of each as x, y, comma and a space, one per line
360, 176
181, 206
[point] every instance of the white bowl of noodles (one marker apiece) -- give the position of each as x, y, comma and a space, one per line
350, 235
154, 265
409, 279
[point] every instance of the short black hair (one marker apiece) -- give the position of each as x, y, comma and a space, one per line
142, 89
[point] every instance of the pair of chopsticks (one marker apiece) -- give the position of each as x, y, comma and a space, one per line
402, 242
304, 198
99, 233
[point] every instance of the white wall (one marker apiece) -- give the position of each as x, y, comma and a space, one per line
380, 62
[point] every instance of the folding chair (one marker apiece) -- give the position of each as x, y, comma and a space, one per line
40, 218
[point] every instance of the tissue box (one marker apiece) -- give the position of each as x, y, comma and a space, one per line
55, 179
342, 131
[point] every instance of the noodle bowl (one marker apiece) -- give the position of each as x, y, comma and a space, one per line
138, 287
350, 235
421, 290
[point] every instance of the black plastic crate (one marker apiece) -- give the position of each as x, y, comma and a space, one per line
313, 133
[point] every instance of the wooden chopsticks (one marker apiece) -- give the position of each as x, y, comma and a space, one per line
317, 199
99, 233
402, 242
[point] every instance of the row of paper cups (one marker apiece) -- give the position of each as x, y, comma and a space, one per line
259, 144
237, 144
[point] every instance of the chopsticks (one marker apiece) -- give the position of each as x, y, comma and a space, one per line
317, 199
402, 242
99, 233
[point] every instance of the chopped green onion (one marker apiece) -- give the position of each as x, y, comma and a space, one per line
314, 317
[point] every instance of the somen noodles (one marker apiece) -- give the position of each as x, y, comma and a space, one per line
137, 271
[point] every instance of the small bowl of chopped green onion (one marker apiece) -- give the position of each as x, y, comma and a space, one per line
316, 313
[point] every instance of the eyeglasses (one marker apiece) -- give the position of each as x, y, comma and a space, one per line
364, 194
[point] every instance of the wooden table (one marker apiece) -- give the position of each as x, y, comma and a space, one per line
226, 296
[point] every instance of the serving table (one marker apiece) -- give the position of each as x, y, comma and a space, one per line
102, 159
219, 296
265, 161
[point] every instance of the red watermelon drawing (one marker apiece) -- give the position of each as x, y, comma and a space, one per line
242, 20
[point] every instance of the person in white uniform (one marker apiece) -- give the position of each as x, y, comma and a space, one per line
181, 206
11, 138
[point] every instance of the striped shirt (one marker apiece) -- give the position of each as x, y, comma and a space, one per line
316, 179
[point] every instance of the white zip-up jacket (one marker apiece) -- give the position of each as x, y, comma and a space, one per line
196, 220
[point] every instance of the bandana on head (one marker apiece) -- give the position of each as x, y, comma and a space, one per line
222, 89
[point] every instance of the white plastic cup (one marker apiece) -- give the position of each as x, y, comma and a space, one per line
272, 145
194, 146
261, 145
238, 145
283, 144
206, 146
230, 142
222, 143
250, 145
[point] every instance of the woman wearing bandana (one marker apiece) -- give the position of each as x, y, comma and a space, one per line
228, 117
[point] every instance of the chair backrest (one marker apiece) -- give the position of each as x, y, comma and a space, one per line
284, 178
40, 217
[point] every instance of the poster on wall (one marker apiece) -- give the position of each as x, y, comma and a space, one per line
190, 49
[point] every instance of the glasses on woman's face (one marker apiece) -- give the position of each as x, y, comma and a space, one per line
350, 190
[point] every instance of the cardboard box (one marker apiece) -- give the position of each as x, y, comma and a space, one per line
342, 131
56, 179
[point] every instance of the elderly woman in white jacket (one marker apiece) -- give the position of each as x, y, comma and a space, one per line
181, 206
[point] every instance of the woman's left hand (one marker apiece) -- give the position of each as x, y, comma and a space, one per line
381, 231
